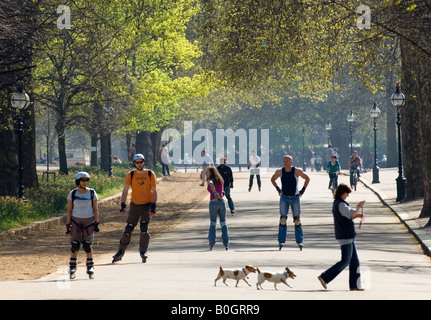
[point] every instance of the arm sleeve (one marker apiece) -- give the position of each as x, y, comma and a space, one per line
345, 210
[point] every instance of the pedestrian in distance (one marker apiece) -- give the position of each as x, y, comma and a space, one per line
345, 234
227, 175
290, 197
206, 161
254, 167
217, 207
164, 158
82, 222
143, 202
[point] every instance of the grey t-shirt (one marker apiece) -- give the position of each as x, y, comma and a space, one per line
82, 206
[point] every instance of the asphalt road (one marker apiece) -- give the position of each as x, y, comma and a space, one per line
181, 267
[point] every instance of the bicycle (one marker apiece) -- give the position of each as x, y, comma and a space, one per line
355, 178
333, 183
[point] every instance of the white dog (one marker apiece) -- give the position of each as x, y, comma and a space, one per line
236, 274
276, 277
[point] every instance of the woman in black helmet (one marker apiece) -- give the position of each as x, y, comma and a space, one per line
82, 221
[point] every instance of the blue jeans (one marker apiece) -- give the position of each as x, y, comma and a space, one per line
218, 208
229, 199
293, 203
349, 257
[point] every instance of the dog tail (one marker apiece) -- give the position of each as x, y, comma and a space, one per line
258, 271
221, 272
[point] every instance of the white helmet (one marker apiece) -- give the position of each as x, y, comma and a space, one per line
138, 156
81, 175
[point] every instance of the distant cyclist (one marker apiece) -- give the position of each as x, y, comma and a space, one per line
333, 168
355, 164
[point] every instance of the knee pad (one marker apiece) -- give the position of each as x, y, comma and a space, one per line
86, 245
144, 226
297, 221
75, 246
283, 220
129, 229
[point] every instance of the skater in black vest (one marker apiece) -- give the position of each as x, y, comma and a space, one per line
289, 197
345, 234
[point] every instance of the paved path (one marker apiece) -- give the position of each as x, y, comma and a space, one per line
180, 265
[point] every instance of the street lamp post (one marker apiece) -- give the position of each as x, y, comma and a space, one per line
375, 113
350, 119
20, 100
304, 167
328, 128
398, 100
109, 112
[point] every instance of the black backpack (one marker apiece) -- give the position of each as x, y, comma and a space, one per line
133, 172
74, 195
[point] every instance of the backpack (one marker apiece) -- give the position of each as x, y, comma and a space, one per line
133, 172
74, 195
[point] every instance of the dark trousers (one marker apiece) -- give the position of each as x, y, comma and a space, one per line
250, 183
137, 212
349, 257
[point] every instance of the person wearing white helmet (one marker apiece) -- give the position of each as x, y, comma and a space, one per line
82, 222
142, 206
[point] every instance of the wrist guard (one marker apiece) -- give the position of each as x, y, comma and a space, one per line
301, 192
96, 226
278, 189
153, 207
68, 228
123, 206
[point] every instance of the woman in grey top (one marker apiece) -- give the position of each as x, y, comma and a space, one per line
82, 222
345, 234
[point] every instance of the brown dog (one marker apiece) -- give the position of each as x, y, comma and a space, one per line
236, 274
276, 277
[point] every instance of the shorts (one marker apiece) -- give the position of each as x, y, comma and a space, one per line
82, 229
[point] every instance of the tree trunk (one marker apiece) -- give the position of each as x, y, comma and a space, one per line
145, 146
93, 158
410, 119
59, 127
30, 178
8, 156
105, 151
424, 83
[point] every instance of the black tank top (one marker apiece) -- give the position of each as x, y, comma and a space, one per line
289, 182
